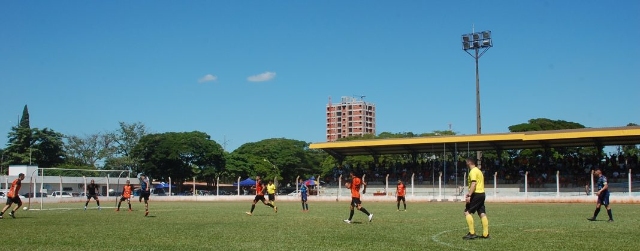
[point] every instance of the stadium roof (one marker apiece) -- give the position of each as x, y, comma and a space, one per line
629, 135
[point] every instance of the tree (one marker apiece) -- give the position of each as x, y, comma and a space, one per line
20, 139
2, 161
89, 150
48, 148
33, 146
125, 140
180, 156
544, 124
290, 158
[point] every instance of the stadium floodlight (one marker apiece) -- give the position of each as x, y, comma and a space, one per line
486, 34
480, 43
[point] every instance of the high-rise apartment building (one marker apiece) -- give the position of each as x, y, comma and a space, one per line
351, 117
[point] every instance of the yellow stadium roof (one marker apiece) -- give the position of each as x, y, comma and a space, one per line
629, 135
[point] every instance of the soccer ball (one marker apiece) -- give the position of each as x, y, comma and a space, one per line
347, 185
25, 208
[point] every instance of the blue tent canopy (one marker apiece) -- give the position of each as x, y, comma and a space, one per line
245, 183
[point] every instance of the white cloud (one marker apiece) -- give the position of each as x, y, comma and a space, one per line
265, 76
207, 78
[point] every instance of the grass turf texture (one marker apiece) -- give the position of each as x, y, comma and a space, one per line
224, 226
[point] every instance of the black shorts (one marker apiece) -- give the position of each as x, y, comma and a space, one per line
272, 197
123, 199
145, 195
355, 201
258, 198
13, 200
603, 198
401, 198
94, 196
476, 204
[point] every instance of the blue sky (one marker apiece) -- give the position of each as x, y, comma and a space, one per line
83, 66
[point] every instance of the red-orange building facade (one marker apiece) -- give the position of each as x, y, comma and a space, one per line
350, 117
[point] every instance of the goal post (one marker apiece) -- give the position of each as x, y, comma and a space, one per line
51, 187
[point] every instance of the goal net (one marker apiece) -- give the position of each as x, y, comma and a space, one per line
60, 188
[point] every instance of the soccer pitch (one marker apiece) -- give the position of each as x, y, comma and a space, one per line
225, 226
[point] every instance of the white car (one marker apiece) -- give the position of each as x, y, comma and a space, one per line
63, 194
294, 193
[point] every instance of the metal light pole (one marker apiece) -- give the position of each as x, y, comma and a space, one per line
275, 179
479, 43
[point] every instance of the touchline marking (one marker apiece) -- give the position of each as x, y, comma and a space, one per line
66, 208
435, 239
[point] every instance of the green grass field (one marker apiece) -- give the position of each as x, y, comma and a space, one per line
224, 226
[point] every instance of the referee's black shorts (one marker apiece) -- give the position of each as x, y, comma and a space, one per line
476, 204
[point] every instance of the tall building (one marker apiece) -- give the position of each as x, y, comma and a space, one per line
351, 117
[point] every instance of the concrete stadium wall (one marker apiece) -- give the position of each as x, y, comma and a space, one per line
615, 199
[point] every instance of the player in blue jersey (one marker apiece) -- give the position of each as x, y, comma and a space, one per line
145, 192
603, 196
304, 191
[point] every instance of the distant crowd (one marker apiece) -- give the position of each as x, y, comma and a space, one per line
574, 169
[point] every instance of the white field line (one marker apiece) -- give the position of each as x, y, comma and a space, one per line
435, 238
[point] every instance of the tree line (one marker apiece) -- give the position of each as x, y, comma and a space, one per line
185, 155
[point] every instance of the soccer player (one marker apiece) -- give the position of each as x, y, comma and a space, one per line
260, 196
400, 192
304, 191
126, 195
145, 192
91, 193
603, 196
355, 197
13, 196
475, 202
271, 192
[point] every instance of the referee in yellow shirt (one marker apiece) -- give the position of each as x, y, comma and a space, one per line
271, 191
475, 202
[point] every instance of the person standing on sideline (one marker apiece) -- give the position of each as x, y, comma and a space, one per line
400, 193
13, 196
475, 202
603, 196
304, 191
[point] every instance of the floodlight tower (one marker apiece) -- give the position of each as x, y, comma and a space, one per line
479, 43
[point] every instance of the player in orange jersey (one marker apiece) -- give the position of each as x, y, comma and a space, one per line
13, 196
126, 195
260, 188
355, 185
400, 193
